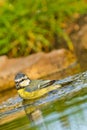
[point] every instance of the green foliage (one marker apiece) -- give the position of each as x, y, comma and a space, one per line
28, 26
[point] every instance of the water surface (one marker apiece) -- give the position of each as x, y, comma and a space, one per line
65, 109
65, 114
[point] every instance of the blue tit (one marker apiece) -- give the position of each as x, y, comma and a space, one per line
32, 89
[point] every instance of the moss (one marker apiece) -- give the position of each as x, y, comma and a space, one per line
30, 26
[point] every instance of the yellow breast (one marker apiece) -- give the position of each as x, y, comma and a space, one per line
37, 93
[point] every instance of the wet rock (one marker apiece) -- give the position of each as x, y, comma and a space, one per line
40, 65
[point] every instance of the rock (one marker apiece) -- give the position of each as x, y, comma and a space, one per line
40, 65
51, 63
2, 61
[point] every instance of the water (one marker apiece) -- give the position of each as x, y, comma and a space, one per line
64, 111
64, 114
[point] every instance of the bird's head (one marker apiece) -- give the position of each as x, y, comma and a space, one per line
21, 81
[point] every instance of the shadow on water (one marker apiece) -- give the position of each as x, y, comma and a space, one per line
65, 109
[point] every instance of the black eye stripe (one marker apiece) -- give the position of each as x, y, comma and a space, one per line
17, 82
23, 80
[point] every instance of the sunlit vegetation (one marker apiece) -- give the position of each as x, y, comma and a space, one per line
30, 26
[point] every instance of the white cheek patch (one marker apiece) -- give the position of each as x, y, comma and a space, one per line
25, 83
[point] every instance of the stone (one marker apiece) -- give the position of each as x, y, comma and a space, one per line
36, 66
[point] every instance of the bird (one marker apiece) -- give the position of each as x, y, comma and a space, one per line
33, 89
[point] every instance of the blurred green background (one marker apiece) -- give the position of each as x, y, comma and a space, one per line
30, 26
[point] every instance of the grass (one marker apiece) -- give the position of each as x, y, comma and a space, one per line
30, 26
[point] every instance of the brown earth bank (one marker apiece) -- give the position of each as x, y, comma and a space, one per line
78, 35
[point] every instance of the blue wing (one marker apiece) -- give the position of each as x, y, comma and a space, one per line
39, 84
